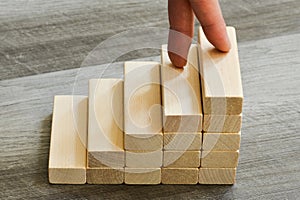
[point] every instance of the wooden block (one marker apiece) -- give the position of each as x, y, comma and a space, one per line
217, 175
222, 123
142, 106
222, 92
181, 159
105, 133
142, 176
144, 159
182, 109
183, 141
105, 175
67, 157
179, 175
219, 159
221, 141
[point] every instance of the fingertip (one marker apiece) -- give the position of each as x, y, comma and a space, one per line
181, 19
225, 47
217, 35
177, 60
178, 48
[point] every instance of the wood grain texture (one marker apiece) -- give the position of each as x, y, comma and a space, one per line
140, 176
222, 92
219, 159
182, 109
35, 34
144, 159
105, 126
142, 106
105, 175
179, 175
183, 141
217, 175
222, 123
268, 165
67, 156
221, 141
181, 159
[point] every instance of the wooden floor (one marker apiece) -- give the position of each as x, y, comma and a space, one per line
38, 37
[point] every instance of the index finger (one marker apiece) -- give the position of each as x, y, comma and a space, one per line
211, 19
181, 18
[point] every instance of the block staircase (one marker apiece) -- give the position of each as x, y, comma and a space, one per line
160, 125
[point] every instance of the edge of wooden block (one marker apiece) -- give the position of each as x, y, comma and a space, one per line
141, 176
114, 159
181, 159
144, 159
182, 141
105, 175
136, 142
179, 176
183, 123
219, 159
221, 141
222, 123
224, 176
67, 175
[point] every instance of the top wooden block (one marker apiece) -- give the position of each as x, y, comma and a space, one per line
105, 133
181, 97
221, 82
142, 106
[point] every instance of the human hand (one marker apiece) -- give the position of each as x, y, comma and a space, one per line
181, 19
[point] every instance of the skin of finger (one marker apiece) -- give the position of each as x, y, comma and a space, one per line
181, 19
209, 14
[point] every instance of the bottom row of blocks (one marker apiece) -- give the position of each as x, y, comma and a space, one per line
161, 175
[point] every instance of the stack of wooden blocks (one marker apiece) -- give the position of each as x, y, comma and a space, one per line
160, 124
222, 98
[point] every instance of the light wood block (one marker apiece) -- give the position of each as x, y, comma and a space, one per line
67, 157
105, 129
217, 175
144, 159
222, 123
105, 175
179, 175
181, 159
142, 176
142, 106
219, 159
221, 82
181, 100
183, 141
221, 141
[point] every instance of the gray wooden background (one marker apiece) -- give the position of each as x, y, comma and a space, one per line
43, 44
